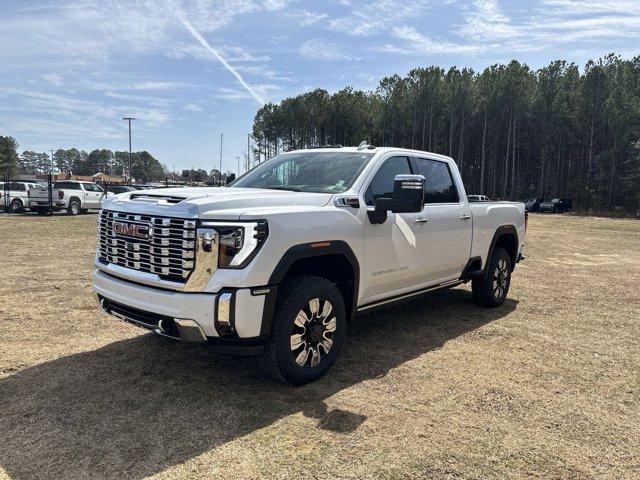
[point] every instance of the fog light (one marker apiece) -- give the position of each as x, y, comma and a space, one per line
225, 306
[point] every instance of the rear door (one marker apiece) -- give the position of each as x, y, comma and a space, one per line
450, 223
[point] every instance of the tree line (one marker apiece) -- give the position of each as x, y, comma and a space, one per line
144, 166
514, 132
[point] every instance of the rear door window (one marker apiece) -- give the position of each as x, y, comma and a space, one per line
439, 185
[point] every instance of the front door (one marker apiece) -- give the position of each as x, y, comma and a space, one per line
395, 253
93, 195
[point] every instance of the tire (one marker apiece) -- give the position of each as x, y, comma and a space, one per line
491, 291
318, 329
74, 207
15, 206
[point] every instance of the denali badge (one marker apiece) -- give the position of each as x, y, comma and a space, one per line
135, 230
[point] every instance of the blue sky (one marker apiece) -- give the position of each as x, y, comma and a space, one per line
191, 69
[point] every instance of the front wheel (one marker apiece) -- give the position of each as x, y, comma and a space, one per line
492, 289
307, 331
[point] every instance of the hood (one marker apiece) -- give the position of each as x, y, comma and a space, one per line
210, 202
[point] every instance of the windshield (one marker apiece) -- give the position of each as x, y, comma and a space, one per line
323, 172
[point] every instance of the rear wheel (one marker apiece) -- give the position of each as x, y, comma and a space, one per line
15, 206
492, 289
74, 207
307, 331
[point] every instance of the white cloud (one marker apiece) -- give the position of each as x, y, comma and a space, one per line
487, 22
233, 94
306, 18
192, 107
274, 5
368, 18
155, 85
487, 28
418, 43
319, 49
54, 79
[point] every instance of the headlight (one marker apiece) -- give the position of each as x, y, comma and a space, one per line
238, 241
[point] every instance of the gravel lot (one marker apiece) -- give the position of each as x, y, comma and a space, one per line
546, 386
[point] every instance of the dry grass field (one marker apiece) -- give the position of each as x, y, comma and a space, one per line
546, 386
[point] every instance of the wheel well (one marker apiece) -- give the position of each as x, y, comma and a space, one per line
336, 268
18, 201
77, 199
509, 242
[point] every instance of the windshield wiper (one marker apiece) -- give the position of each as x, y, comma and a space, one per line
284, 187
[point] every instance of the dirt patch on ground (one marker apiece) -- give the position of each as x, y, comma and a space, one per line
545, 386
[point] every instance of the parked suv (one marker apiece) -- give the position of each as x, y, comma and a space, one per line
533, 204
557, 205
277, 263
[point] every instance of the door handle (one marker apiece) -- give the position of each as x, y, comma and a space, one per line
420, 220
465, 217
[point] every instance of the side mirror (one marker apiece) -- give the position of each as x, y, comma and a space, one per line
408, 197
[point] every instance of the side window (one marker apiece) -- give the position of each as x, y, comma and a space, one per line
382, 183
439, 186
91, 187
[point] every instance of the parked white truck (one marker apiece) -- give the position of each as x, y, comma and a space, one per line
14, 196
277, 263
71, 195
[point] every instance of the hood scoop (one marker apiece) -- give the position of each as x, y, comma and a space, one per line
146, 197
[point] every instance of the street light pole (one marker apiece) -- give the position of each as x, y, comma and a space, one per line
220, 160
128, 119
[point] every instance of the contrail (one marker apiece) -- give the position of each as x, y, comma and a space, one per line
226, 65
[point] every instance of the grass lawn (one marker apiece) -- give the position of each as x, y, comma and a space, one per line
548, 385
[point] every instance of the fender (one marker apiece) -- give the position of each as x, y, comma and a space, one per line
502, 230
302, 251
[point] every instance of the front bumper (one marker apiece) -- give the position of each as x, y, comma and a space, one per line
231, 317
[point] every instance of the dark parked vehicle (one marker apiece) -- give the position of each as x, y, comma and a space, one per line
533, 204
557, 205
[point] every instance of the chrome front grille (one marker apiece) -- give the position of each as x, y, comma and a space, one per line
169, 252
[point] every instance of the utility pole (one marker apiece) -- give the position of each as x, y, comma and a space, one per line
248, 150
220, 159
50, 185
129, 120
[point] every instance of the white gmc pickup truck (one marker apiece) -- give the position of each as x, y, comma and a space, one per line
279, 261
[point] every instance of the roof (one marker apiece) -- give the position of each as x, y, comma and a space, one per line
375, 150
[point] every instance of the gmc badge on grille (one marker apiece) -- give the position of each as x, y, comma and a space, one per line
134, 230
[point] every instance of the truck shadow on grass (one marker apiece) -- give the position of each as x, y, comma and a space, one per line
136, 407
